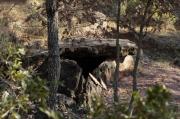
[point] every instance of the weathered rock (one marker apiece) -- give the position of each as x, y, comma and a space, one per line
105, 71
72, 82
88, 89
93, 90
86, 50
81, 47
70, 76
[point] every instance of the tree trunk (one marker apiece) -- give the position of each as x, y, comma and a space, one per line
53, 49
141, 36
116, 78
138, 55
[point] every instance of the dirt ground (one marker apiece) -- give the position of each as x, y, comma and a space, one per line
150, 72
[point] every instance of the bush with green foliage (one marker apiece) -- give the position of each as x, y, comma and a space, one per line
20, 89
154, 106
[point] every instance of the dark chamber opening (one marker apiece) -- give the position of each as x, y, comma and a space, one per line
88, 64
88, 59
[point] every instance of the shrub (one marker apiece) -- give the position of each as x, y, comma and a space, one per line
154, 106
20, 89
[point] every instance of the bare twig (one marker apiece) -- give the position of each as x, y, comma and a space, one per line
11, 7
97, 82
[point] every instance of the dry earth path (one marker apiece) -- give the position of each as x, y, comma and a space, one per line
151, 72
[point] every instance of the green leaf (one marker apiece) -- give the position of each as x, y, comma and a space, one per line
51, 114
16, 115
